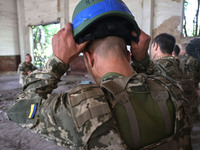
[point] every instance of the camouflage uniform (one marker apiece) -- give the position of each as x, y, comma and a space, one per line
85, 118
167, 66
25, 67
190, 66
190, 79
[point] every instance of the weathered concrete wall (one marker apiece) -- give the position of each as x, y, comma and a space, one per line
72, 5
167, 17
46, 11
36, 12
41, 11
9, 43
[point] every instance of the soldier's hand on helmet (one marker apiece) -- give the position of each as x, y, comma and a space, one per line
64, 45
139, 50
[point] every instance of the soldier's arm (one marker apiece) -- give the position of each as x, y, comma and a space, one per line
43, 82
140, 58
143, 66
106, 137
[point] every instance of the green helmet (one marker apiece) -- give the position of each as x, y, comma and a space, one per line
94, 19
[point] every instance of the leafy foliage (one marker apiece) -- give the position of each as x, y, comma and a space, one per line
42, 36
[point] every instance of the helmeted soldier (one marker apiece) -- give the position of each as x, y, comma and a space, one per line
124, 110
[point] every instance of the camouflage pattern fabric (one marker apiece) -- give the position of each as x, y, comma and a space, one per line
55, 115
190, 80
53, 119
190, 66
167, 66
143, 66
182, 128
25, 67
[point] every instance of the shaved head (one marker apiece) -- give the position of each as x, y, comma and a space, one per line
109, 46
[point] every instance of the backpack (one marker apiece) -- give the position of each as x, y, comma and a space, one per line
154, 84
159, 87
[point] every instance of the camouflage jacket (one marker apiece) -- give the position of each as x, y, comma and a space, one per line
71, 119
24, 67
190, 67
167, 66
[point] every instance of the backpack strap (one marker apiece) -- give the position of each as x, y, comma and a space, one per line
117, 88
160, 95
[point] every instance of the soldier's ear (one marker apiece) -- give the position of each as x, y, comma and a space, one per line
155, 46
89, 58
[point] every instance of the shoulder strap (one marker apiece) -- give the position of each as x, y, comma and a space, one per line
118, 89
160, 95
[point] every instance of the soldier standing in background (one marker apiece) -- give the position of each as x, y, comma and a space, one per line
192, 61
161, 54
192, 70
25, 68
124, 110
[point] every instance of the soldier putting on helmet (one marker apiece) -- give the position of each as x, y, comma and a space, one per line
124, 110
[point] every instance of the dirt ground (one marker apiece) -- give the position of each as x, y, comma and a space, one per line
13, 137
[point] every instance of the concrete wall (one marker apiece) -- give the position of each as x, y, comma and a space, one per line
168, 17
36, 12
158, 16
9, 43
40, 12
9, 36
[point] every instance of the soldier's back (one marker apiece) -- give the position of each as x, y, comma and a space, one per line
167, 66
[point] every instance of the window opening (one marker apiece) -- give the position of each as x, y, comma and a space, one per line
42, 48
191, 18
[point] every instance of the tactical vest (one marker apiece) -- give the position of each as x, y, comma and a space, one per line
161, 91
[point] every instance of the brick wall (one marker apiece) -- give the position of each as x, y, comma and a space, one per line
9, 63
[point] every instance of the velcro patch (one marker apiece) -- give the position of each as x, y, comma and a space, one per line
32, 111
